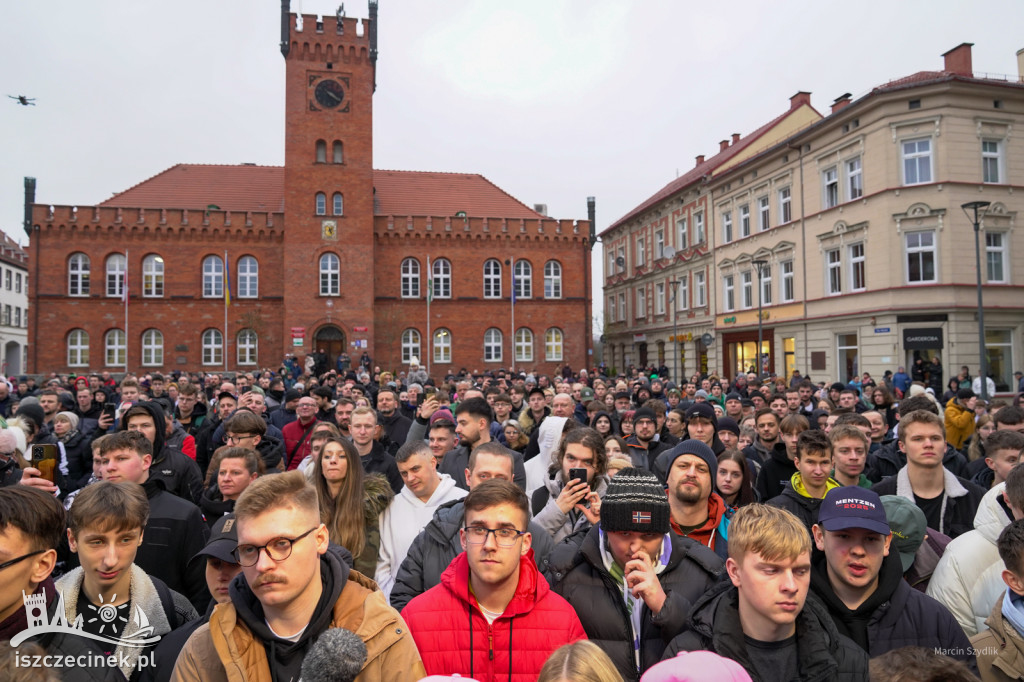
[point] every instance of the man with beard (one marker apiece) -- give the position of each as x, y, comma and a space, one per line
473, 426
343, 415
643, 448
395, 424
697, 511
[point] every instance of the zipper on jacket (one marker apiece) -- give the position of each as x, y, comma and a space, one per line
490, 643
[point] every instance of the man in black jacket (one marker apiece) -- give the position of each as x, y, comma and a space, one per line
178, 472
374, 457
763, 617
175, 530
395, 424
780, 467
632, 574
472, 424
861, 582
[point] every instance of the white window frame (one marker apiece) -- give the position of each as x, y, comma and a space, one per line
524, 343
995, 255
247, 347
659, 298
152, 348
612, 307
494, 340
79, 271
683, 292
330, 274
321, 151
785, 205
744, 219
492, 278
833, 272
248, 277
641, 303
787, 275
921, 253
410, 345
442, 346
338, 204
115, 269
17, 282
441, 273
114, 348
747, 289
78, 348
830, 187
552, 280
700, 289
726, 227
410, 278
728, 293
856, 254
683, 232
763, 213
766, 284
212, 341
153, 276
623, 311
320, 204
698, 228
914, 158
659, 244
213, 277
854, 178
523, 275
554, 345
992, 161
641, 251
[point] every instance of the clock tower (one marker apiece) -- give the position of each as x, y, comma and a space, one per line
330, 67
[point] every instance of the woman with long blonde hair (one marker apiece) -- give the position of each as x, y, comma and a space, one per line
581, 661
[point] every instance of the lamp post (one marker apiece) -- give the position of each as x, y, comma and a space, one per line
674, 283
974, 207
760, 265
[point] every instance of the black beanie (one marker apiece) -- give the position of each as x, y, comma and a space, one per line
33, 412
703, 410
635, 502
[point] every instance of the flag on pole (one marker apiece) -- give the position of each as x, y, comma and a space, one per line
513, 281
227, 281
430, 282
124, 281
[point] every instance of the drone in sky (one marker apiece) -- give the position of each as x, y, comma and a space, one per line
23, 100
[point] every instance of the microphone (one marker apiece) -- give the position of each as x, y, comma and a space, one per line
337, 656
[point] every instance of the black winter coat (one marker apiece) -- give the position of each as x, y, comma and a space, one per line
894, 616
580, 577
380, 462
434, 548
456, 462
775, 473
824, 654
889, 459
960, 511
804, 508
78, 451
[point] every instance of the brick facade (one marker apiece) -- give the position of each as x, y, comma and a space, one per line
271, 214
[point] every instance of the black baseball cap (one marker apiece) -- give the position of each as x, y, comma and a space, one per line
223, 540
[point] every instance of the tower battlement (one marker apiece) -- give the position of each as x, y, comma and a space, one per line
329, 38
155, 220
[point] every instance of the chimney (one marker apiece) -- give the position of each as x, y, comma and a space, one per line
723, 145
841, 102
958, 60
735, 138
700, 159
799, 99
1020, 64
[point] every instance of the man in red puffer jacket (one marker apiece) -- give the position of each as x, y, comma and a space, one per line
492, 601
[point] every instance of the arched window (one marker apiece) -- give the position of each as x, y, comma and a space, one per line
321, 151
492, 278
114, 348
524, 345
153, 276
248, 277
338, 152
213, 277
247, 347
410, 278
78, 348
330, 275
492, 345
337, 204
553, 345
321, 203
115, 275
78, 275
213, 347
552, 279
523, 277
442, 346
410, 345
152, 348
442, 278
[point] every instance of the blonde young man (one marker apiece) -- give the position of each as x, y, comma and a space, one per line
294, 586
763, 617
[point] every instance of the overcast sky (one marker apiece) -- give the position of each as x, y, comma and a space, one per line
552, 101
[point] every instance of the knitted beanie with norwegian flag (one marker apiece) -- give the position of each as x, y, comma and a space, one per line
635, 501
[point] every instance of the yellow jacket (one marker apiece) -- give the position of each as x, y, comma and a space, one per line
959, 423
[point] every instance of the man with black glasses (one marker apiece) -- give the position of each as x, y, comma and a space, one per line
293, 587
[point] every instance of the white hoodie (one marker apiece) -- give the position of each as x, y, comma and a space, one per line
402, 521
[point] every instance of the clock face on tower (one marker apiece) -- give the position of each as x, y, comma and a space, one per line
328, 92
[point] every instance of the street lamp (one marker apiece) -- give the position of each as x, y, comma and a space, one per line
760, 264
669, 252
975, 206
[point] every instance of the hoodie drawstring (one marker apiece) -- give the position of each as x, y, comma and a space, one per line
510, 648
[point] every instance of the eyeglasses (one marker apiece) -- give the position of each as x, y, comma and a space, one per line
20, 559
505, 537
233, 439
278, 549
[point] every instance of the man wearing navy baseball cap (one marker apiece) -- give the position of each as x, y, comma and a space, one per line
861, 582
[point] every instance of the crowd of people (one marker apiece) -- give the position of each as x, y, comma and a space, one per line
310, 523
